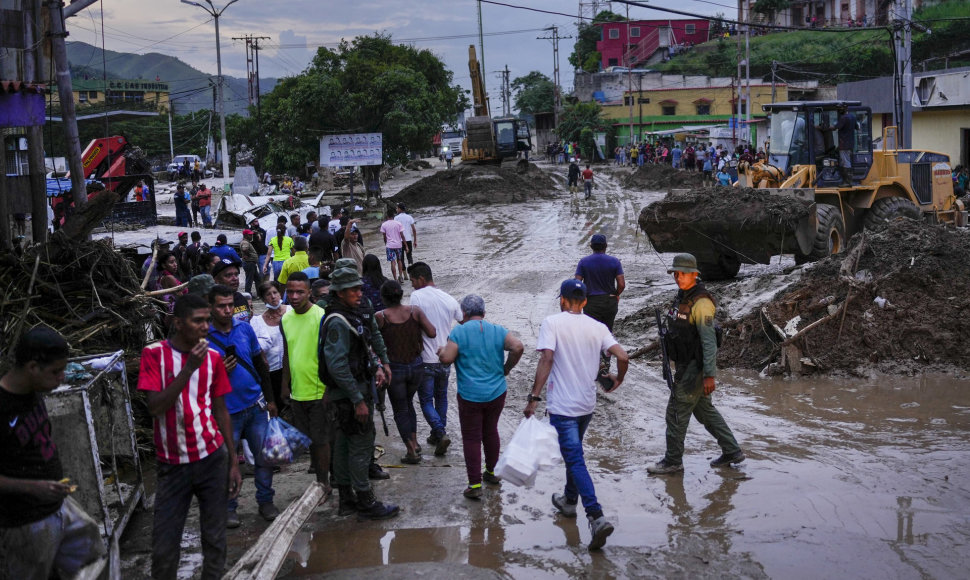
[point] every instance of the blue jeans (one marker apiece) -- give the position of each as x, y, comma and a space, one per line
578, 482
206, 219
433, 395
406, 379
251, 423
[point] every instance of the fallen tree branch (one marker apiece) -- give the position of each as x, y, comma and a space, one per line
818, 322
165, 291
645, 350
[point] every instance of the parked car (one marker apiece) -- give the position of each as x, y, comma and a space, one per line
175, 166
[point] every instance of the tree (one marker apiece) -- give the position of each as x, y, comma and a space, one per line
366, 85
534, 93
585, 56
579, 122
770, 7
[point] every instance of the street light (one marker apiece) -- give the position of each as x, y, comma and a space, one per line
211, 9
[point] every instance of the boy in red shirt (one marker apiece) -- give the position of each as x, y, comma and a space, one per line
588, 181
186, 382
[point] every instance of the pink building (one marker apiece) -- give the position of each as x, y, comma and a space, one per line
648, 41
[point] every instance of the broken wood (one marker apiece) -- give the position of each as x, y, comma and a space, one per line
151, 267
266, 557
645, 350
818, 322
165, 291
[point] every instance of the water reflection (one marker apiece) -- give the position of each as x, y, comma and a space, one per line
711, 520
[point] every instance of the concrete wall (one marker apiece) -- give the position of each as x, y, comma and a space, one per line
941, 131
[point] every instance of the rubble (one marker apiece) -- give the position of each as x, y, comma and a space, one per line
892, 303
471, 184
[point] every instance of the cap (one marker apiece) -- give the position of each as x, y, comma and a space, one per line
345, 263
598, 239
223, 264
344, 278
201, 284
572, 288
222, 239
183, 235
683, 263
247, 232
160, 242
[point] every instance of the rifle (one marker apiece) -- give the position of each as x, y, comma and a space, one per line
661, 338
382, 406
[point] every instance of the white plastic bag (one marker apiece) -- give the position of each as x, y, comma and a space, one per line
534, 446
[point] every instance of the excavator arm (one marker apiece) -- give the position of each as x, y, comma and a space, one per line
479, 98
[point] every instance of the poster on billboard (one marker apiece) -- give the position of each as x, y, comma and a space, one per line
351, 150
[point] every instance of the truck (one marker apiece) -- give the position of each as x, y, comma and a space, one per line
802, 170
452, 139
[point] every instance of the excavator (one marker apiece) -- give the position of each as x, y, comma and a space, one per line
802, 165
489, 140
116, 163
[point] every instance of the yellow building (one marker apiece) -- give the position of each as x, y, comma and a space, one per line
660, 109
153, 95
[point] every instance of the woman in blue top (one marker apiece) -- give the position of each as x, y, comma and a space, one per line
478, 350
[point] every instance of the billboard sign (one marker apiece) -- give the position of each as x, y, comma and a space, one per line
351, 150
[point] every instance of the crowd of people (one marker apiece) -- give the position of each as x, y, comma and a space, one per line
718, 163
335, 339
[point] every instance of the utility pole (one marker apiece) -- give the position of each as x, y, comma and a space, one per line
774, 69
211, 10
65, 93
557, 100
507, 91
747, 78
252, 64
481, 49
904, 64
629, 70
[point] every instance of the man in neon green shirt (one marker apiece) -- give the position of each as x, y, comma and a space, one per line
298, 262
301, 382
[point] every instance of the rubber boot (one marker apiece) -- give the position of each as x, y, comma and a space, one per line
348, 500
846, 176
374, 471
368, 508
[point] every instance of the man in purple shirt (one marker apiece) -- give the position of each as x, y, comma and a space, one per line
603, 276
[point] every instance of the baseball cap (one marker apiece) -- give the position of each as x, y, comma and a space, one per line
183, 235
572, 288
247, 232
223, 264
598, 239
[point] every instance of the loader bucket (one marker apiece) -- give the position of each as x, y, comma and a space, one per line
724, 226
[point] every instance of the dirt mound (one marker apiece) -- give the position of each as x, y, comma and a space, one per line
662, 177
469, 184
893, 302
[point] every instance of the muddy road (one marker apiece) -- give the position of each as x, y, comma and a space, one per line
865, 478
858, 478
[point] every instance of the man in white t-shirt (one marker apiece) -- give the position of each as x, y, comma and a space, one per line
443, 311
394, 243
569, 345
334, 226
410, 233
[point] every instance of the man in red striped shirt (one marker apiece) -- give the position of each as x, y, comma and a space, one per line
185, 382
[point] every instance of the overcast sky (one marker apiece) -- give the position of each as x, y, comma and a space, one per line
297, 27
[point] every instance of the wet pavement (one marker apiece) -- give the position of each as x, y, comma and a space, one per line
862, 478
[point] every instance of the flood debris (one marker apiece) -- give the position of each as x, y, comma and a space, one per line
891, 303
471, 184
658, 177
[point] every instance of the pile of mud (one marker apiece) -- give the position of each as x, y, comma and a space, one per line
906, 286
752, 221
662, 177
470, 184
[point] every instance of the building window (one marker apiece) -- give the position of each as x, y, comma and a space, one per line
82, 97
15, 157
612, 62
690, 28
627, 101
614, 33
703, 109
93, 95
634, 31
669, 110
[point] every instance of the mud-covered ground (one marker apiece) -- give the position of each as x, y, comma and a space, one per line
845, 477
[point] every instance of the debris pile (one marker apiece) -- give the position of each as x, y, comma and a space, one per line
471, 184
753, 222
86, 291
654, 177
894, 302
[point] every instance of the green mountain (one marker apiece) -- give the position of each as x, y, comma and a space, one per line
190, 89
